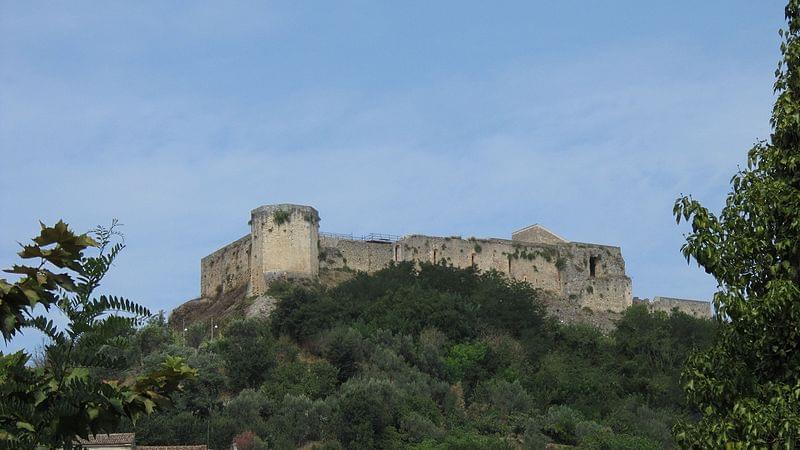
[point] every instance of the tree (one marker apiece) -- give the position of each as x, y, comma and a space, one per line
248, 351
747, 385
67, 398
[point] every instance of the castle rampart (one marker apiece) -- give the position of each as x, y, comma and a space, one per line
285, 242
356, 254
226, 268
695, 308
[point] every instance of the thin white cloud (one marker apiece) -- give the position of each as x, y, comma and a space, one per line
596, 146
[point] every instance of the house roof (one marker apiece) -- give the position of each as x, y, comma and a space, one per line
541, 227
109, 439
172, 447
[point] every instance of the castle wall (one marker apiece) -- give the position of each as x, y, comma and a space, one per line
338, 253
591, 275
611, 293
534, 263
694, 308
225, 269
285, 244
594, 276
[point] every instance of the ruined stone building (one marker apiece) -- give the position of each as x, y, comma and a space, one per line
285, 242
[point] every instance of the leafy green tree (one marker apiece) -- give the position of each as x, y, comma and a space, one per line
297, 421
465, 362
248, 410
66, 397
248, 351
170, 427
367, 413
315, 380
747, 386
345, 349
651, 349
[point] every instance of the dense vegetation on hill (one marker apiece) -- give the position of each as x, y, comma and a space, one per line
427, 358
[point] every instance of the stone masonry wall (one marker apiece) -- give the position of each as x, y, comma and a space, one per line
285, 244
534, 263
594, 275
338, 253
694, 308
225, 269
591, 275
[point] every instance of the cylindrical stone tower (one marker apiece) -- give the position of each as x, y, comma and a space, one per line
284, 244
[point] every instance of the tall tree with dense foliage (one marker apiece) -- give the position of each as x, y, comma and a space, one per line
747, 385
67, 396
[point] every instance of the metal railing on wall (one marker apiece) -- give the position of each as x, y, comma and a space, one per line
371, 237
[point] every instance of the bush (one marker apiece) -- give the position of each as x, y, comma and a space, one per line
415, 428
196, 334
298, 420
607, 440
365, 410
403, 299
248, 410
315, 380
170, 427
464, 361
463, 440
561, 423
248, 351
504, 399
533, 439
249, 441
345, 348
202, 393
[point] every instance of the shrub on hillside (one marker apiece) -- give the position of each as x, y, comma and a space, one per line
247, 349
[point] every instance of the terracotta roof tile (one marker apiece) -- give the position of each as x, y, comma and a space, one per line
172, 447
105, 439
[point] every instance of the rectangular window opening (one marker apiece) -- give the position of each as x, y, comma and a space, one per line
593, 265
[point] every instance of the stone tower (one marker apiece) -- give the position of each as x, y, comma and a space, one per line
284, 244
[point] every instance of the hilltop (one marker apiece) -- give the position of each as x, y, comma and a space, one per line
578, 282
424, 356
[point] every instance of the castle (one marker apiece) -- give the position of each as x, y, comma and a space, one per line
285, 243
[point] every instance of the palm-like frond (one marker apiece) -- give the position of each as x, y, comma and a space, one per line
52, 405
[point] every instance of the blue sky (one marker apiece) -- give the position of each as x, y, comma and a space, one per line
453, 118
